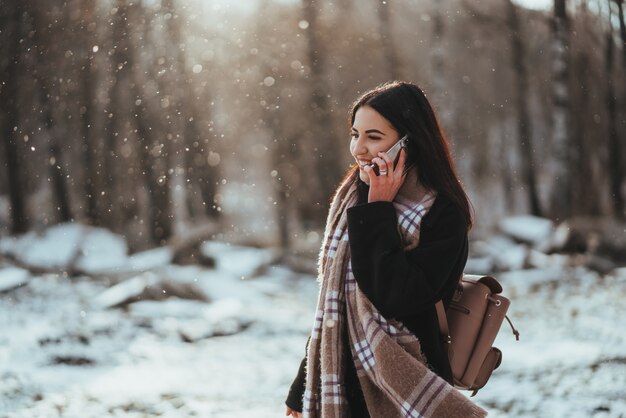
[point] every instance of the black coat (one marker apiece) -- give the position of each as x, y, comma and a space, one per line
404, 285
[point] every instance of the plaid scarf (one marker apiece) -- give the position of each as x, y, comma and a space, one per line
391, 368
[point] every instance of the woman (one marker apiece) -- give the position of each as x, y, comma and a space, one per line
396, 242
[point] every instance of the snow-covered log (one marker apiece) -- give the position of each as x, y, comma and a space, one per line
240, 261
12, 277
70, 247
148, 286
192, 320
224, 317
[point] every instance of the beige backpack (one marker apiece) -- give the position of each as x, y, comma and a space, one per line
469, 327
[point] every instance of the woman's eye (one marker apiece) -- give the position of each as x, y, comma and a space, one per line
354, 135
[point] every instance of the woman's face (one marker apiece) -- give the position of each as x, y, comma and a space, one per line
371, 133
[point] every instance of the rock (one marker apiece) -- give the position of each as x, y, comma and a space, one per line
556, 241
619, 274
593, 262
600, 236
602, 265
526, 228
537, 259
224, 317
13, 277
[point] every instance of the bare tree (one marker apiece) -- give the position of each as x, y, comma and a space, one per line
622, 29
518, 54
11, 34
560, 196
153, 162
87, 42
117, 108
437, 59
616, 174
511, 26
46, 42
318, 143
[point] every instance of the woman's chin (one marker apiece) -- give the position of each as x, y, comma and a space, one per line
364, 177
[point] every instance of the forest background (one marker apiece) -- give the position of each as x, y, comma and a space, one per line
156, 153
153, 117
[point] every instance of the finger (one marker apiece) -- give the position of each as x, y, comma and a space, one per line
382, 164
401, 162
387, 159
370, 172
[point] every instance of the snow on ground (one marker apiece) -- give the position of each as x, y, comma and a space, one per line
136, 364
62, 354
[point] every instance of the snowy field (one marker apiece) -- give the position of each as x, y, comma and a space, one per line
70, 348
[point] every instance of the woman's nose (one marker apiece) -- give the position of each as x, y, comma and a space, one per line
360, 146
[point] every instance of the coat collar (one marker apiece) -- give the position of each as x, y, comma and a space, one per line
441, 202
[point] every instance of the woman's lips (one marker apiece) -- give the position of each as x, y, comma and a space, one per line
362, 164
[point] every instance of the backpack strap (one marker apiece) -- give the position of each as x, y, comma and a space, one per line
444, 330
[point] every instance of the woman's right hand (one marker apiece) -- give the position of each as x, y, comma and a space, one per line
295, 414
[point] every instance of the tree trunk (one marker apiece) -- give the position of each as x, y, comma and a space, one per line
586, 199
147, 163
88, 92
120, 62
386, 39
171, 84
202, 177
46, 41
518, 52
561, 202
437, 59
615, 150
618, 176
153, 162
622, 31
10, 19
318, 143
506, 178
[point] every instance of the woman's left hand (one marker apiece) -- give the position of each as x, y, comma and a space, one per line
385, 185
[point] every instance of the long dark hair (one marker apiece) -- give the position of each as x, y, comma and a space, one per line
405, 106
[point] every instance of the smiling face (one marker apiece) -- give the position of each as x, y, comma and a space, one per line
371, 133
